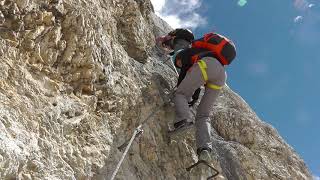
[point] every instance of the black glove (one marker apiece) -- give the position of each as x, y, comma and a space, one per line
195, 97
191, 103
196, 94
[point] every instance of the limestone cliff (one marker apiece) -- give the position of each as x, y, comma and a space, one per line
77, 77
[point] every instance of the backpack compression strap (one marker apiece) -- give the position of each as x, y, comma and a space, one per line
214, 48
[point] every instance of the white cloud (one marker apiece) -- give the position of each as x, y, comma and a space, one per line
311, 5
306, 29
158, 4
298, 19
180, 13
172, 20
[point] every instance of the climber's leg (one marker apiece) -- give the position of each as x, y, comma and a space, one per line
216, 80
191, 82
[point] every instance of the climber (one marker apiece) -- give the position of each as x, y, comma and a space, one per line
201, 64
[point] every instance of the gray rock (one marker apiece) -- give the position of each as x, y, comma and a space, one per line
77, 77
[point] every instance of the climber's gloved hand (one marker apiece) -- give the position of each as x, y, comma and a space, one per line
195, 97
191, 103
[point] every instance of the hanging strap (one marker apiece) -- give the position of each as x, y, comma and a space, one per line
203, 68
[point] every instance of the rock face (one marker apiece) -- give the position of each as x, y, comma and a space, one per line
77, 77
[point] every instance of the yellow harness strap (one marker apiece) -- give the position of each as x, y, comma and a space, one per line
203, 68
213, 86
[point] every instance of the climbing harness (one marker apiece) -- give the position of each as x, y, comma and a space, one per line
203, 68
207, 164
137, 132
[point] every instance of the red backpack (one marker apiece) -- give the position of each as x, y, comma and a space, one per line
221, 47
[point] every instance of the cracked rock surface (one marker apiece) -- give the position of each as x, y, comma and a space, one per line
77, 77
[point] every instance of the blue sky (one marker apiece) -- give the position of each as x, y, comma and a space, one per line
278, 61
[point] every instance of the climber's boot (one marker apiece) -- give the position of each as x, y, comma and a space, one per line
204, 155
181, 126
180, 129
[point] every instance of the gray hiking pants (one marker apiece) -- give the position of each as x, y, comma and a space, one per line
194, 79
